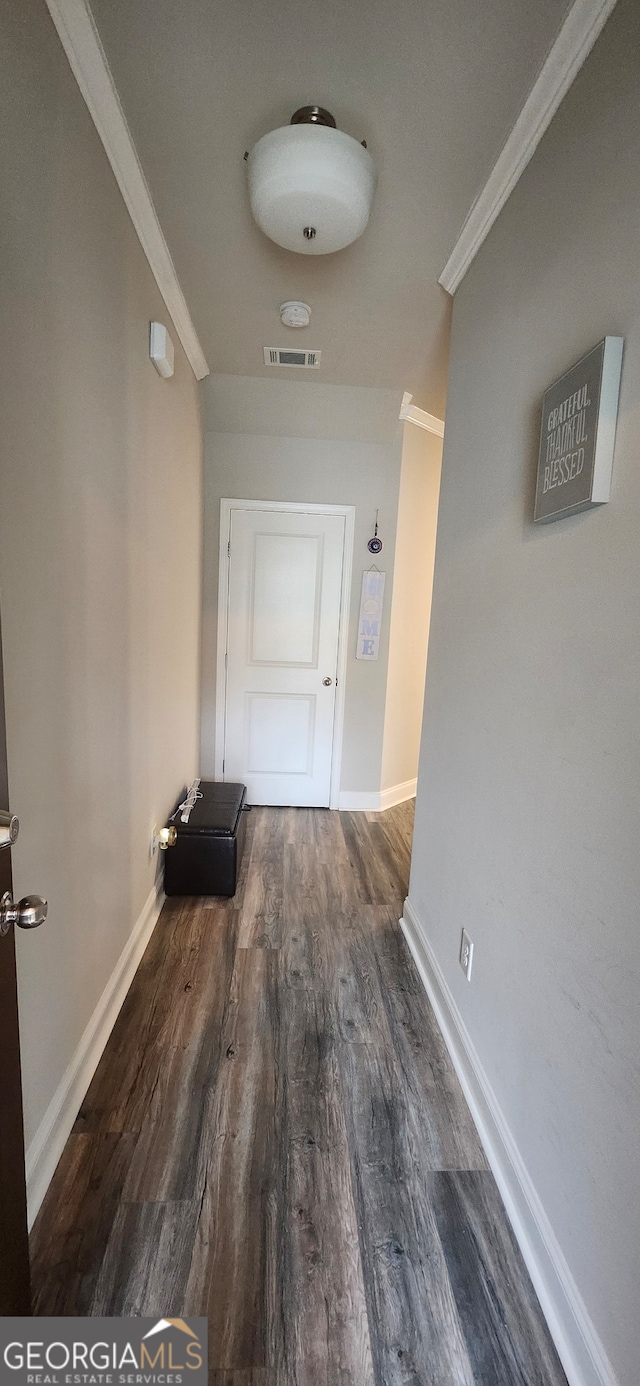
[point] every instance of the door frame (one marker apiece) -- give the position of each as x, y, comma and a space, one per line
15, 1292
303, 508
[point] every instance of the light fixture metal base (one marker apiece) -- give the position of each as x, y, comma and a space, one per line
313, 115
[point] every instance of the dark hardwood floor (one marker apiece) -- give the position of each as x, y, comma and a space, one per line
275, 1138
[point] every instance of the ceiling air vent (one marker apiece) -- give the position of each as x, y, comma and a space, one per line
288, 356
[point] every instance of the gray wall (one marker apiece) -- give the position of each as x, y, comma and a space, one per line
528, 818
100, 477
297, 441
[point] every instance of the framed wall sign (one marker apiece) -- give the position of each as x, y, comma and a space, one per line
577, 435
370, 614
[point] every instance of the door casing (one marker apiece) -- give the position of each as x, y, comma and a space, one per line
304, 508
15, 1292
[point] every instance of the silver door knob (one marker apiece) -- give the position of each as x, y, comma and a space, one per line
28, 913
327, 682
9, 828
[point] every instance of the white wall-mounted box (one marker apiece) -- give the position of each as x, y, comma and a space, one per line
161, 349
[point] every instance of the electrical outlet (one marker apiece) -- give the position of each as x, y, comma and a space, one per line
466, 954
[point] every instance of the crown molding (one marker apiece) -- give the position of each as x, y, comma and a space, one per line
585, 20
81, 42
411, 414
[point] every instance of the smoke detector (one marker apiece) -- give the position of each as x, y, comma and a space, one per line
295, 314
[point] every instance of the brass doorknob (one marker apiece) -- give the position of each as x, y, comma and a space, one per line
28, 913
327, 682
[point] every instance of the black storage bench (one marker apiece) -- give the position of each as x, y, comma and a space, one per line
207, 854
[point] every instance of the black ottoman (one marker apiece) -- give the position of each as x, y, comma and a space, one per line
207, 854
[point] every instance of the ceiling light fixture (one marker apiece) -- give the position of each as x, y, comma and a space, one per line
311, 186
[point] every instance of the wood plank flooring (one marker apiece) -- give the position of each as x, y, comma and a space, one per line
275, 1138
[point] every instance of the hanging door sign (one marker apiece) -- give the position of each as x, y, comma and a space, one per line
578, 434
370, 615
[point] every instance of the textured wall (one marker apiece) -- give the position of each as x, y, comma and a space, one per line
359, 468
100, 478
411, 607
528, 818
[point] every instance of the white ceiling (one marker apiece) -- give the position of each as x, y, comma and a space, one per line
434, 87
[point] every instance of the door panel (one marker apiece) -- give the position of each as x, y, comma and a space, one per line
283, 620
280, 734
286, 599
15, 1295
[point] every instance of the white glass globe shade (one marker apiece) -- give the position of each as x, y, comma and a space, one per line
313, 178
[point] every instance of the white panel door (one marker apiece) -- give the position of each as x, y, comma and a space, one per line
283, 620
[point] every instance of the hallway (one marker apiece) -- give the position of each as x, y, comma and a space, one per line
275, 1138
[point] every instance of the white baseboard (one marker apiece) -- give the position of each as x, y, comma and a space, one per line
50, 1138
398, 793
376, 801
580, 1350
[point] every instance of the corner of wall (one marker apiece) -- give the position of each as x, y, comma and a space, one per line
411, 606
